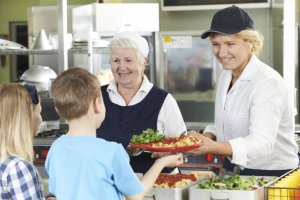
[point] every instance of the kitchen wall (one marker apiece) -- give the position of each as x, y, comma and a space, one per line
267, 21
16, 11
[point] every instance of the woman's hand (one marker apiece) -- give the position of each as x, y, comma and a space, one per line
209, 145
206, 147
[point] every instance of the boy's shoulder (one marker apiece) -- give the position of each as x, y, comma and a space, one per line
86, 140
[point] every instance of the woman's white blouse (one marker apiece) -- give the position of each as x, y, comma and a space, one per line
256, 117
170, 121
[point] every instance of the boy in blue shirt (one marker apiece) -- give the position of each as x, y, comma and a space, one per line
75, 168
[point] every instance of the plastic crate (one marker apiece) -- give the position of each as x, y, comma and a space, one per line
286, 187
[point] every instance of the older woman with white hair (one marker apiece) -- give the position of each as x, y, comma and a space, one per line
132, 102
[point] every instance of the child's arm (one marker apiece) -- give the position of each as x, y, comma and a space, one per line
150, 177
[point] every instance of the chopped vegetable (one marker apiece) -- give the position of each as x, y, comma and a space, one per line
235, 182
147, 136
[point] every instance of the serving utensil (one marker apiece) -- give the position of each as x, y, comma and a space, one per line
133, 151
219, 172
184, 133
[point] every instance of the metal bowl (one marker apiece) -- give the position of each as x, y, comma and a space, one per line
39, 76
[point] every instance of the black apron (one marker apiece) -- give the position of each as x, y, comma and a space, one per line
255, 172
121, 122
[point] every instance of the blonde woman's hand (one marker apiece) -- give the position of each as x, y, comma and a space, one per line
209, 145
206, 147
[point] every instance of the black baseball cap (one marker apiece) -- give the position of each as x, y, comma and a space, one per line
229, 21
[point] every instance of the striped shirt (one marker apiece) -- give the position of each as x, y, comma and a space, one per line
19, 180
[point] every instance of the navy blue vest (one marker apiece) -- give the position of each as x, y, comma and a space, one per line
121, 122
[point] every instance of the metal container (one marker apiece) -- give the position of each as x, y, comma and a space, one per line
207, 194
39, 76
212, 194
181, 193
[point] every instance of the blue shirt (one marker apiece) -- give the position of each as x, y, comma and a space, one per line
85, 167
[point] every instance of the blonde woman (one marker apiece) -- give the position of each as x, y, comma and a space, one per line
253, 112
19, 121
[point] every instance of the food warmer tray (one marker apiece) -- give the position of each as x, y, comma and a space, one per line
181, 193
196, 193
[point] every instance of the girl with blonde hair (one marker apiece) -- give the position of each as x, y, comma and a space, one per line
19, 122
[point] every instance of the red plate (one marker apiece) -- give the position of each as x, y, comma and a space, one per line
149, 147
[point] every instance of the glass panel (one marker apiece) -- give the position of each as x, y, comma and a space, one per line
190, 76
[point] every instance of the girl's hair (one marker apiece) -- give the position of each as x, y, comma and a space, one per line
73, 91
125, 43
253, 38
16, 122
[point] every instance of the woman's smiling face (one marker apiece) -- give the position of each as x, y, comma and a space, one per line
232, 52
126, 67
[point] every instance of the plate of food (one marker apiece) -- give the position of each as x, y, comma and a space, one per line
159, 143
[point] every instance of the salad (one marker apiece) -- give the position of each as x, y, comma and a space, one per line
147, 136
235, 182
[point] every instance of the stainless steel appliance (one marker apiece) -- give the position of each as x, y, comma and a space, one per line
41, 145
39, 76
91, 27
188, 70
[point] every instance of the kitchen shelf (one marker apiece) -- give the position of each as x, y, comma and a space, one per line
84, 50
26, 51
78, 50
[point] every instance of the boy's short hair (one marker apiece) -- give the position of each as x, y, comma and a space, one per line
73, 91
